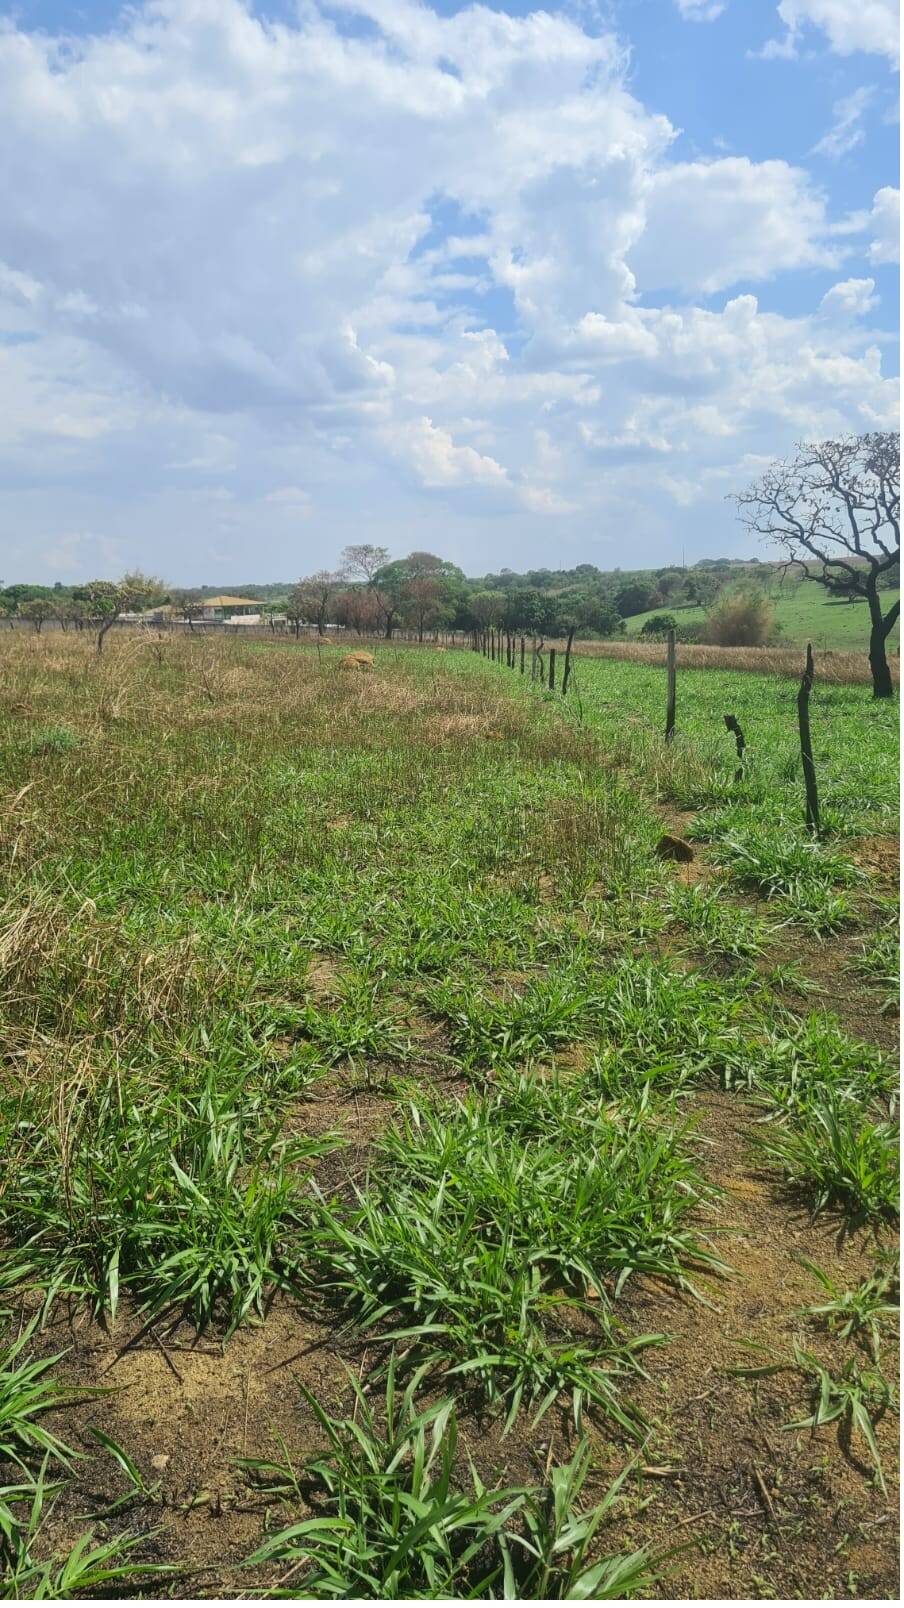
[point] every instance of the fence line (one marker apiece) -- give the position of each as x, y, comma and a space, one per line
479, 644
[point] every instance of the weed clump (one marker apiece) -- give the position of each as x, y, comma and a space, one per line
485, 1226
185, 1199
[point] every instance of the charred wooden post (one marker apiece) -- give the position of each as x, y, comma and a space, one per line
567, 671
670, 686
806, 745
731, 721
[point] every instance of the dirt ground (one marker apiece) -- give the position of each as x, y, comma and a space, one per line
734, 1503
737, 1504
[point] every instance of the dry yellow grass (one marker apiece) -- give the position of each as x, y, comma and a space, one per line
848, 668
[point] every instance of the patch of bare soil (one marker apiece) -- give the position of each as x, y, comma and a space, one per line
186, 1409
761, 1511
857, 1003
677, 823
753, 1509
879, 856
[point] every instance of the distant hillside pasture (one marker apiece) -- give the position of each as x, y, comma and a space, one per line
804, 612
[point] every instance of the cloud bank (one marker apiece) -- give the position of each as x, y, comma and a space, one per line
265, 288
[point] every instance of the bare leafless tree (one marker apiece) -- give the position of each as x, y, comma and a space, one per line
834, 507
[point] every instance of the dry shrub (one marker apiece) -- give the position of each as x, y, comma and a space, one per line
587, 837
740, 618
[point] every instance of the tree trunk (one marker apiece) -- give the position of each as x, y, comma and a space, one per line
879, 631
103, 631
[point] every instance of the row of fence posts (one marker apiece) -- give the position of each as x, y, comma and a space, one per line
496, 645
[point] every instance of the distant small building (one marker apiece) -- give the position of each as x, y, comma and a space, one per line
228, 608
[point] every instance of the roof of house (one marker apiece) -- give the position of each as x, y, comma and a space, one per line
228, 602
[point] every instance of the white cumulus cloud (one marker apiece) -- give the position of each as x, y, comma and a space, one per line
885, 223
709, 224
850, 298
848, 25
398, 267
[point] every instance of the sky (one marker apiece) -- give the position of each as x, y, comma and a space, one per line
521, 287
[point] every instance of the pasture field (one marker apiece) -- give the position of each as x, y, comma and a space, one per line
412, 1185
804, 612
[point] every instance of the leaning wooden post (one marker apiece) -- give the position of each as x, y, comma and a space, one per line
806, 747
731, 722
567, 670
552, 669
522, 656
670, 686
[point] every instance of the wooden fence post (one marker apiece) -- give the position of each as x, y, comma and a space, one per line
522, 656
670, 687
567, 671
806, 746
552, 669
731, 722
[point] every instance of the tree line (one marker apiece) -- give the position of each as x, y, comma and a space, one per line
833, 509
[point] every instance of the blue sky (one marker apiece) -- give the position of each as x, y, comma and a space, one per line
518, 286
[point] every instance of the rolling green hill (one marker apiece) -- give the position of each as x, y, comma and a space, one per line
804, 612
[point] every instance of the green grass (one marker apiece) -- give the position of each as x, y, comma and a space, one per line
863, 1311
183, 1198
393, 1520
804, 612
251, 884
484, 1226
839, 1156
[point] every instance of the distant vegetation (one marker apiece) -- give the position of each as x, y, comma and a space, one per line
424, 593
832, 509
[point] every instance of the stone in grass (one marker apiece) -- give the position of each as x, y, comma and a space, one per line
357, 661
674, 848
